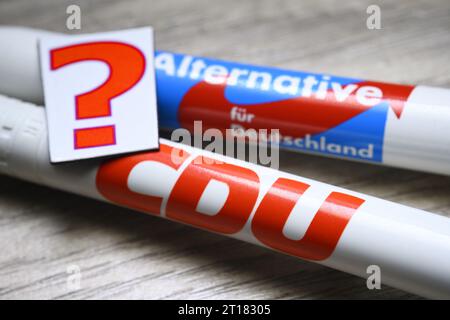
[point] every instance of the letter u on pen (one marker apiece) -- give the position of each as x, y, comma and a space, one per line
301, 217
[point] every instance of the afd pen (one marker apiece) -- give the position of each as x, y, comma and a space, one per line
397, 125
338, 228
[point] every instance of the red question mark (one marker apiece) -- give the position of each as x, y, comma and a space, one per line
126, 67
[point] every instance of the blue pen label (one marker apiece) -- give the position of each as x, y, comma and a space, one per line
316, 113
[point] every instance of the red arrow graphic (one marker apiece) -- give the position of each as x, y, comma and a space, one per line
294, 117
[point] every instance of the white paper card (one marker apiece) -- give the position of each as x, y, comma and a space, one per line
100, 95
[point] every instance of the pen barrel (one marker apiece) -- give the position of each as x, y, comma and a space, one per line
335, 227
354, 119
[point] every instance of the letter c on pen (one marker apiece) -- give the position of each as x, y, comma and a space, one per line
112, 178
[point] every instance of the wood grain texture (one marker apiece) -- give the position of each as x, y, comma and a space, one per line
124, 254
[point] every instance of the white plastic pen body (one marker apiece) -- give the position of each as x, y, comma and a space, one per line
329, 225
405, 126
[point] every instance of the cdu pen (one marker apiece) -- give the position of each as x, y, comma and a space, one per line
335, 227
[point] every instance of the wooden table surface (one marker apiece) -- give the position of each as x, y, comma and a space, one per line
124, 254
